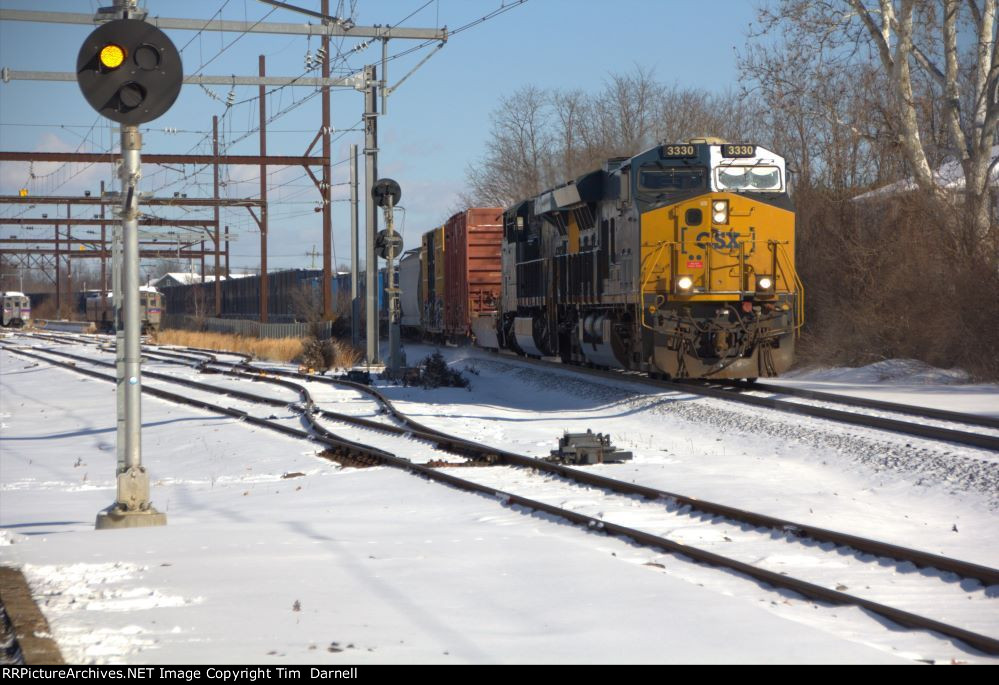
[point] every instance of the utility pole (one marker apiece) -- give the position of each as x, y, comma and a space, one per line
104, 259
355, 295
69, 261
371, 210
327, 185
263, 197
215, 186
58, 277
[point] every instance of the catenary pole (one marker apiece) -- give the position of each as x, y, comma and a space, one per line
264, 285
215, 195
371, 211
327, 184
355, 296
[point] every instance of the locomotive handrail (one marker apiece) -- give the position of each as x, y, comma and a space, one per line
641, 291
799, 287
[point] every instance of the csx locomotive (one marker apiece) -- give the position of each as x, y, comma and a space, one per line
678, 262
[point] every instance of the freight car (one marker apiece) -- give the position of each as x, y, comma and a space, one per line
678, 262
472, 268
432, 283
410, 287
16, 309
459, 273
100, 310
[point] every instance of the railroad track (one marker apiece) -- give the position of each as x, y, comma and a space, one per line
748, 393
866, 403
570, 482
740, 393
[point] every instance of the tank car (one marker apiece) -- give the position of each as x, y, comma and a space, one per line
16, 309
409, 284
100, 310
678, 262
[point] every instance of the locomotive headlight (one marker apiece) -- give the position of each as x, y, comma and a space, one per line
764, 284
719, 211
684, 283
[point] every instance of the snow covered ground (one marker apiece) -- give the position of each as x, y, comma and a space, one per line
376, 566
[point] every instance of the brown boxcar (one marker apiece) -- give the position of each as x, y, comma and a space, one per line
472, 268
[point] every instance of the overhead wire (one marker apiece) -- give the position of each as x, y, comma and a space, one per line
192, 178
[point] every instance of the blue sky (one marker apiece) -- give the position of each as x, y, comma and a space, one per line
437, 121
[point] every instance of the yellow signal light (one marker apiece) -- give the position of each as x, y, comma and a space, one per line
112, 56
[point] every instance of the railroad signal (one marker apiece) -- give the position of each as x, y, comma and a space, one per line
129, 71
384, 190
388, 245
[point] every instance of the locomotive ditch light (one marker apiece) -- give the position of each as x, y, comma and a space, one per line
764, 284
684, 284
719, 211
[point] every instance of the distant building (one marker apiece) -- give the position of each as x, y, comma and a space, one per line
174, 279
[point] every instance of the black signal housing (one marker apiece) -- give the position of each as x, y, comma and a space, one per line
143, 85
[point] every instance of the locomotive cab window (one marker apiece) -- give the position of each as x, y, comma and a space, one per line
658, 180
748, 178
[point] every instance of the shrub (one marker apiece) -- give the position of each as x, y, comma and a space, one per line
435, 373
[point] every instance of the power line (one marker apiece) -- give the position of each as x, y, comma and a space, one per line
207, 23
495, 13
232, 42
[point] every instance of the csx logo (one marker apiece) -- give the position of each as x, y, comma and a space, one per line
721, 240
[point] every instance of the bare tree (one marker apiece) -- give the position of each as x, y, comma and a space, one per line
541, 138
518, 154
914, 45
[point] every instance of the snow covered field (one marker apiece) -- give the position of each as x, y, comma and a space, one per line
376, 566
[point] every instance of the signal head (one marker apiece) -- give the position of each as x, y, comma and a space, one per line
129, 71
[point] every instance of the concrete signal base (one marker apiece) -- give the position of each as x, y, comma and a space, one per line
116, 517
132, 508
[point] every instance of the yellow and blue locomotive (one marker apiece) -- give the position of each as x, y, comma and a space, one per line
678, 262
